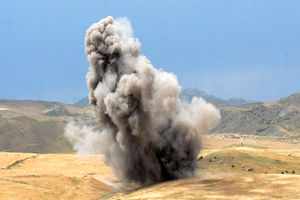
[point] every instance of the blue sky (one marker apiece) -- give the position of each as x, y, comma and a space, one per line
247, 49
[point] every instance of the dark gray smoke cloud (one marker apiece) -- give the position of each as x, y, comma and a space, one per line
145, 132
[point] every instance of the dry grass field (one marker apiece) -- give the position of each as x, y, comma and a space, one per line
52, 176
227, 170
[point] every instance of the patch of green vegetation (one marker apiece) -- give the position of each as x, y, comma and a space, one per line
235, 161
74, 180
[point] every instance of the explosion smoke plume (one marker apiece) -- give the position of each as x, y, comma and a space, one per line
146, 133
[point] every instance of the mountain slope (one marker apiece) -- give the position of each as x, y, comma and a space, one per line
279, 118
84, 101
37, 126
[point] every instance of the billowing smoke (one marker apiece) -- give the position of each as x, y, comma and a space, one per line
145, 132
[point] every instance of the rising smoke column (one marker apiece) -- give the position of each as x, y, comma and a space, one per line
145, 132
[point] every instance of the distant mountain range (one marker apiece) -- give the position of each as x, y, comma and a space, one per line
38, 126
188, 94
83, 102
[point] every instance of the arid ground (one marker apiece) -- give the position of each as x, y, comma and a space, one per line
228, 170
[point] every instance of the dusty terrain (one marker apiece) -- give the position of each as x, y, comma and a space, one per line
53, 176
228, 170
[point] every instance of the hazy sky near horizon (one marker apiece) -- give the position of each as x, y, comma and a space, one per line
247, 49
